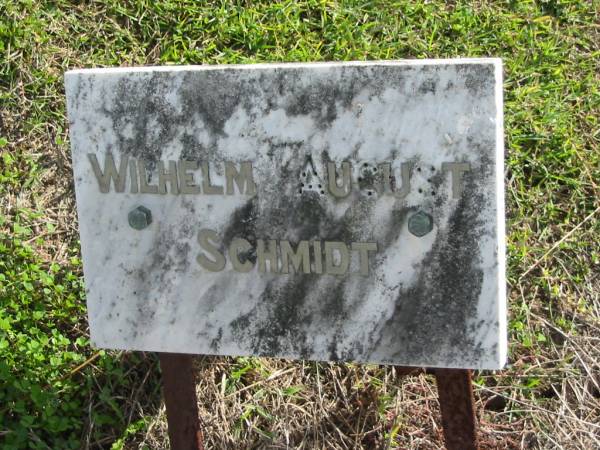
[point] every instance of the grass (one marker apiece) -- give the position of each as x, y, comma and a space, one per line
58, 392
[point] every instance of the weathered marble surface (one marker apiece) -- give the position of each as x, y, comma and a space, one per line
436, 300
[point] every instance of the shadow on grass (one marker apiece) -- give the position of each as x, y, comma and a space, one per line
124, 397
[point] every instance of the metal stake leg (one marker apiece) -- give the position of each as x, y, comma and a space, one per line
455, 392
179, 389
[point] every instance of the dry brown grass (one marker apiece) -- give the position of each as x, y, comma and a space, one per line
353, 407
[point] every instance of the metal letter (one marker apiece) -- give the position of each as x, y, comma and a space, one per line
298, 258
145, 188
318, 257
262, 255
243, 177
219, 260
110, 172
363, 249
330, 267
386, 177
133, 176
186, 180
167, 175
405, 169
405, 175
336, 190
207, 188
238, 244
457, 170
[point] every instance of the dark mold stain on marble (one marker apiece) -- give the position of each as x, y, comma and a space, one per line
446, 292
479, 78
430, 318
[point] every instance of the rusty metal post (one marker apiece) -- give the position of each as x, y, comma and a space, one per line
457, 404
179, 389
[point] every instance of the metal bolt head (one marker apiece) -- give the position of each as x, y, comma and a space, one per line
420, 224
139, 218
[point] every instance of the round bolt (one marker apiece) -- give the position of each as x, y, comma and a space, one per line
420, 224
139, 218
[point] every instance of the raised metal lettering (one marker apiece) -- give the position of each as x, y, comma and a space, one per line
363, 249
110, 172
298, 258
457, 169
133, 176
207, 188
405, 169
186, 180
145, 188
167, 175
262, 255
344, 189
242, 178
237, 245
344, 255
318, 257
204, 238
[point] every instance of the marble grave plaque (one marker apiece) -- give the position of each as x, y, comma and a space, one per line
322, 211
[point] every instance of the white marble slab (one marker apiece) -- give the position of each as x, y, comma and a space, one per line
398, 260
